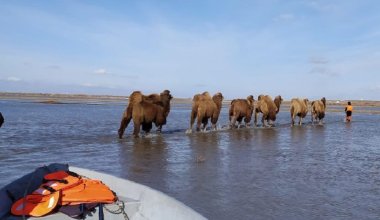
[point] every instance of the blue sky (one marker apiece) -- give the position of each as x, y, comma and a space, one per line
300, 48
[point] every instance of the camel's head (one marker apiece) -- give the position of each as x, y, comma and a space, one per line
166, 96
324, 101
250, 100
306, 101
279, 98
260, 97
218, 98
277, 101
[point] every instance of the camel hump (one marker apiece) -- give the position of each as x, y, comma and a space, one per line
206, 95
136, 97
202, 97
297, 100
153, 97
294, 100
267, 97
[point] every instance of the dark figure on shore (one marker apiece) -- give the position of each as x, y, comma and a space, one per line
1, 119
348, 111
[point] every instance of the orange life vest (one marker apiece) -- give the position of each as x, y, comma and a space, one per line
349, 108
62, 188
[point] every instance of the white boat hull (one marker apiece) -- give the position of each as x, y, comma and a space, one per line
141, 202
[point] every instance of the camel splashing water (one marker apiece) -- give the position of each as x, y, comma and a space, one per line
299, 108
205, 107
145, 110
318, 109
268, 108
239, 109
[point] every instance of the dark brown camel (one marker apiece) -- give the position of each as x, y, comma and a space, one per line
145, 110
239, 109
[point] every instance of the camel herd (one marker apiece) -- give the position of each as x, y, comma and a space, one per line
145, 110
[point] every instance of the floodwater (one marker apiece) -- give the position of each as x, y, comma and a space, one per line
308, 172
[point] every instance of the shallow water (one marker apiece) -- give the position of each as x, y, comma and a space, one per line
308, 172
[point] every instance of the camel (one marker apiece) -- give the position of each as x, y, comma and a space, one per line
299, 107
145, 110
239, 109
318, 109
1, 120
204, 107
268, 107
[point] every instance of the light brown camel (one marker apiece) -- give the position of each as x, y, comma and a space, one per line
239, 109
145, 110
318, 109
299, 108
268, 107
204, 107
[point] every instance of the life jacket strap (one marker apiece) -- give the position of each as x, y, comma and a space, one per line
57, 180
50, 189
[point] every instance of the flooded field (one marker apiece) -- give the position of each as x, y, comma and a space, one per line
308, 172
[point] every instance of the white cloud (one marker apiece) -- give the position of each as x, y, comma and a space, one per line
284, 17
323, 71
89, 85
318, 60
54, 67
101, 71
375, 88
13, 79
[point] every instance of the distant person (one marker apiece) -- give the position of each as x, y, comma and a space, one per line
348, 111
1, 119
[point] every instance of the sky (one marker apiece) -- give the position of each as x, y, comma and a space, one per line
293, 48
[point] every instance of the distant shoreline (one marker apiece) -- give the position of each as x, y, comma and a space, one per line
364, 106
53, 98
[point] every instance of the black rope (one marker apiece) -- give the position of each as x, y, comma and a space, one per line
120, 210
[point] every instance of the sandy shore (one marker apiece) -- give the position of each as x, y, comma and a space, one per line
361, 106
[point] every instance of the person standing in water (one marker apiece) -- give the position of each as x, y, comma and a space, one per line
348, 111
1, 119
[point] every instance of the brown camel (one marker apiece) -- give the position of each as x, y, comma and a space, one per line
299, 107
318, 109
145, 110
1, 120
203, 108
239, 109
268, 107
